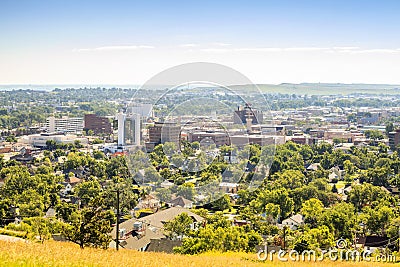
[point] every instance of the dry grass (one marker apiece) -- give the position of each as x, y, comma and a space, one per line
65, 254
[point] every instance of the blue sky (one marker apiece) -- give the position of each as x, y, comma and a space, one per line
129, 41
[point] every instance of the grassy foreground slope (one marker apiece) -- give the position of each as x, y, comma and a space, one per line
64, 254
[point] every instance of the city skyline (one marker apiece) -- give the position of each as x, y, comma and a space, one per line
123, 42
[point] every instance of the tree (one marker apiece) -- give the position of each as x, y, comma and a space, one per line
312, 210
393, 230
87, 190
389, 128
209, 238
11, 139
366, 194
40, 226
339, 219
64, 210
179, 226
378, 219
222, 203
281, 198
78, 144
273, 211
151, 176
318, 238
374, 134
349, 170
290, 179
164, 194
51, 145
90, 226
169, 148
186, 190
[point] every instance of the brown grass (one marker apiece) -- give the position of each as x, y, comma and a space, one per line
53, 253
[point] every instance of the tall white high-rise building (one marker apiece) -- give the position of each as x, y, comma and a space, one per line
64, 124
128, 129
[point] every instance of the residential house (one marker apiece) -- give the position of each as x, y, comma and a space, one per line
293, 222
372, 243
137, 234
149, 202
229, 187
181, 202
313, 167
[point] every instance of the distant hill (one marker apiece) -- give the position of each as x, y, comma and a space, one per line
325, 88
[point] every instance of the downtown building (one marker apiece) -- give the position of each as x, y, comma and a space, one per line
209, 137
394, 139
64, 125
163, 132
97, 124
243, 114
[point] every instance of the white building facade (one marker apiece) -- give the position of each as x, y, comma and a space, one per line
64, 124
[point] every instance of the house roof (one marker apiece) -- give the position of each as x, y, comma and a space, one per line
138, 242
159, 218
298, 218
226, 184
313, 166
51, 212
372, 241
180, 201
154, 224
163, 245
74, 180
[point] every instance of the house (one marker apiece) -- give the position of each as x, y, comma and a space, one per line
74, 181
313, 167
293, 222
149, 202
344, 192
229, 187
335, 173
393, 190
181, 202
50, 213
166, 184
137, 234
240, 222
372, 243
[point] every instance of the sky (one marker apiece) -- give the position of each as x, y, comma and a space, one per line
128, 42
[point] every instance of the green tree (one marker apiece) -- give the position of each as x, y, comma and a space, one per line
87, 191
186, 190
90, 226
222, 203
312, 210
389, 128
179, 226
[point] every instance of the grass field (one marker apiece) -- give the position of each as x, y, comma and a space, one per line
53, 253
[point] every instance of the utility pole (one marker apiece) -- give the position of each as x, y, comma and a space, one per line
117, 228
399, 238
284, 237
